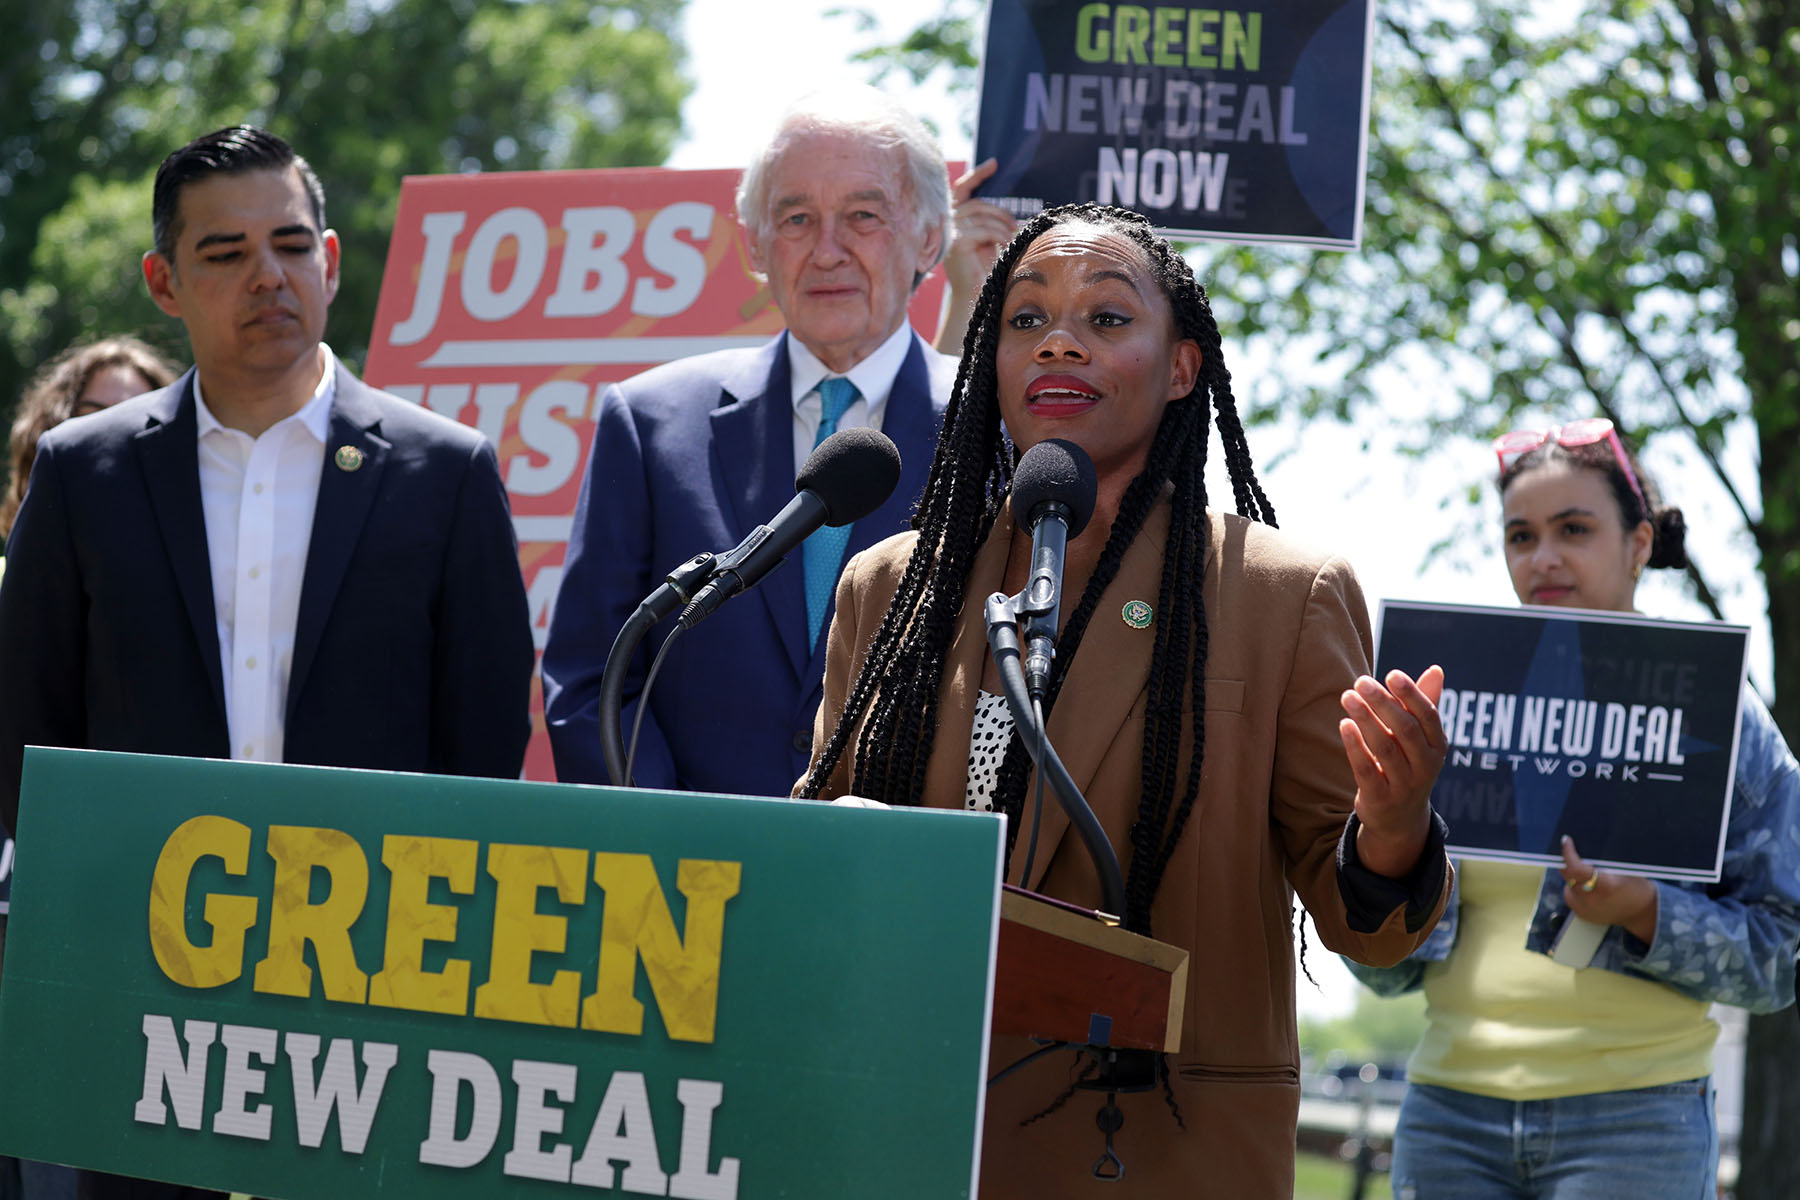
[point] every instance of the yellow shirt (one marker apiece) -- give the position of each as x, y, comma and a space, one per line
1509, 1023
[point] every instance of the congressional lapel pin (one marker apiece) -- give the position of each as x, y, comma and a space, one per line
348, 458
1137, 614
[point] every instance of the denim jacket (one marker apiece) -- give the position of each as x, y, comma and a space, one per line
1731, 942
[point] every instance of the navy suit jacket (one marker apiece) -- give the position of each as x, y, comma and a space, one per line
688, 457
412, 647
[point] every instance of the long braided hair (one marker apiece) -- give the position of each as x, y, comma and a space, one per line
970, 476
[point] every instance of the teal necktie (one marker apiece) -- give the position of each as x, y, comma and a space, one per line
823, 552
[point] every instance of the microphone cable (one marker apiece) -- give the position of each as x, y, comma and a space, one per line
1046, 1048
1037, 794
637, 719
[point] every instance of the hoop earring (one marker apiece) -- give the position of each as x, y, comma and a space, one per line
1637, 569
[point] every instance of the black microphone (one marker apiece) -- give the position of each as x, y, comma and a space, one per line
1053, 492
843, 480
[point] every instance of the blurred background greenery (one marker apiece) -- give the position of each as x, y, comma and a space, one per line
96, 93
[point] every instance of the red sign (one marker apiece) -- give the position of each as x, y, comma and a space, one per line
509, 300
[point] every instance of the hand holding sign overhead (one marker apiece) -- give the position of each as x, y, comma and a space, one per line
981, 231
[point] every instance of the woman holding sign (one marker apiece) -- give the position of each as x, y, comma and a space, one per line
1195, 645
1538, 1079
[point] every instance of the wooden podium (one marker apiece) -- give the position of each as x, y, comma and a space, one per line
1067, 974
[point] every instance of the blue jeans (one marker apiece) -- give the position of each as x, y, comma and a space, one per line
1655, 1143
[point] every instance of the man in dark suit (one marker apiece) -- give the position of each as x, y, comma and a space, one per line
845, 212
268, 559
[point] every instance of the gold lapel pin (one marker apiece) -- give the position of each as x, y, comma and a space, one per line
1137, 614
348, 458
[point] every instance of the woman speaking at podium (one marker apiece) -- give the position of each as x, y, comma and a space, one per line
1214, 705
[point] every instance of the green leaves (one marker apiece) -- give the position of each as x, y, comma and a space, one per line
366, 90
945, 47
86, 266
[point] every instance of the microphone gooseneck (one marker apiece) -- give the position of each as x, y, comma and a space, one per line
1054, 491
1003, 641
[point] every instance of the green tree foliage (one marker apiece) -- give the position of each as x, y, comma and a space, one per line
1377, 1030
96, 92
1590, 211
942, 49
1576, 209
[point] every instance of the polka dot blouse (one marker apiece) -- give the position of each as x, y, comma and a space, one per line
987, 747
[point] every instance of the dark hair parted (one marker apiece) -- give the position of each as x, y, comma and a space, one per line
223, 152
969, 480
1668, 546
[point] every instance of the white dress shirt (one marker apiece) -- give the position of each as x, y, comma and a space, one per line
258, 495
874, 379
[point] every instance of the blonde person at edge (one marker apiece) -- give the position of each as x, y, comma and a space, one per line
1538, 1080
1192, 639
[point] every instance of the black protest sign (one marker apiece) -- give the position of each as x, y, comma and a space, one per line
1246, 123
1617, 730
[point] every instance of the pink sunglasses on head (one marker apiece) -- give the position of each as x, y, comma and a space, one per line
1510, 446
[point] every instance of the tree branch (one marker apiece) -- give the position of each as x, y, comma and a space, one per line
1483, 161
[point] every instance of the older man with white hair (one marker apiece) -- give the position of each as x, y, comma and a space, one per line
845, 211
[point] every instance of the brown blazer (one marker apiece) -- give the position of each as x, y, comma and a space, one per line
1288, 632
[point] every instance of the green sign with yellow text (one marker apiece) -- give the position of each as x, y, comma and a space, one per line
300, 981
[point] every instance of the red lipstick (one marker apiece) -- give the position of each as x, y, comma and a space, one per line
1060, 395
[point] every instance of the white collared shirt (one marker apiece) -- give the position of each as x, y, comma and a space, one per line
258, 495
874, 379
